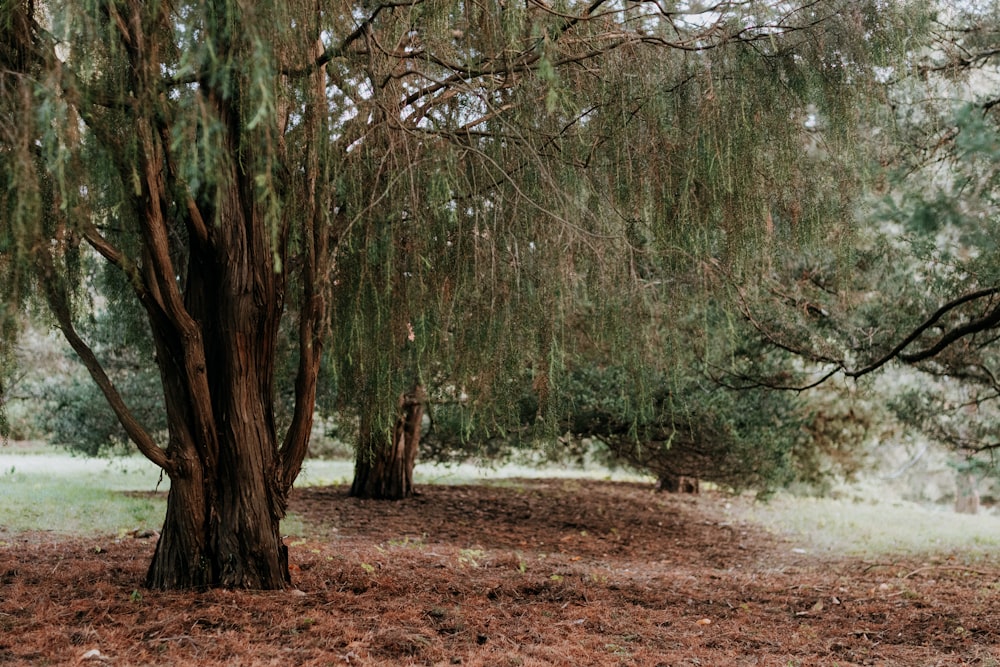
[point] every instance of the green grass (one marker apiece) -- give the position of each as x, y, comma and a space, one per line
49, 490
45, 489
77, 505
872, 528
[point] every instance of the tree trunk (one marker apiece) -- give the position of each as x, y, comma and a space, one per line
209, 264
222, 525
384, 471
966, 493
221, 532
217, 543
672, 483
228, 493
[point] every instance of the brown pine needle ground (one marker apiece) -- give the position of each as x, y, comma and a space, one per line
534, 572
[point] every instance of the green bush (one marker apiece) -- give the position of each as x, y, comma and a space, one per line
78, 417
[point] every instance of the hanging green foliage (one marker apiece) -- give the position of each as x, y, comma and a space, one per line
421, 193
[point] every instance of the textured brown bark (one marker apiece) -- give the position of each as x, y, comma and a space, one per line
384, 471
216, 341
209, 267
226, 499
218, 533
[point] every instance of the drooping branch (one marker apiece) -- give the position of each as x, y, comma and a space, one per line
981, 324
969, 60
839, 365
358, 33
58, 301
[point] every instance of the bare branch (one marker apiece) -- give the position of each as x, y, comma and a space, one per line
58, 301
982, 324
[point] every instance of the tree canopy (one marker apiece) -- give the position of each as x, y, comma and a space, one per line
917, 288
445, 192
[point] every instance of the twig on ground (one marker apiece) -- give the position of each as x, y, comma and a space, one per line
951, 567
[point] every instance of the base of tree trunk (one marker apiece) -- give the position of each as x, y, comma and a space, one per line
386, 472
677, 484
236, 548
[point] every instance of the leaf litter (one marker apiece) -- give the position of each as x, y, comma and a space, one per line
531, 572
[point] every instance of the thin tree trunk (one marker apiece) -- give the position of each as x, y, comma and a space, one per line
384, 471
966, 493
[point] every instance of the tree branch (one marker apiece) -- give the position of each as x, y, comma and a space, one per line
316, 258
947, 339
58, 301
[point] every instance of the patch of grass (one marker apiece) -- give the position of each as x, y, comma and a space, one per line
325, 472
871, 528
470, 557
74, 495
39, 501
293, 524
49, 489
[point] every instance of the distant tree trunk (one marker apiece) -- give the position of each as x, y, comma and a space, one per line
384, 471
966, 493
677, 484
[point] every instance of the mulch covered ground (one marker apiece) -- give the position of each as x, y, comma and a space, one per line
533, 572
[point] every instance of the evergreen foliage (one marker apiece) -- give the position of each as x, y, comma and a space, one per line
446, 192
917, 287
489, 164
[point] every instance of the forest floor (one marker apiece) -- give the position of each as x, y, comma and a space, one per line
524, 572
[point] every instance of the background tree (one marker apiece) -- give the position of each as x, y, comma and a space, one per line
928, 242
470, 173
561, 198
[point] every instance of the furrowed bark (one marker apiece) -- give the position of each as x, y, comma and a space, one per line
216, 344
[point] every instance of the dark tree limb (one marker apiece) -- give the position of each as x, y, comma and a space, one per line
982, 324
58, 300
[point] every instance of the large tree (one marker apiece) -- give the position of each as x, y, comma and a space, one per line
420, 179
753, 145
916, 291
